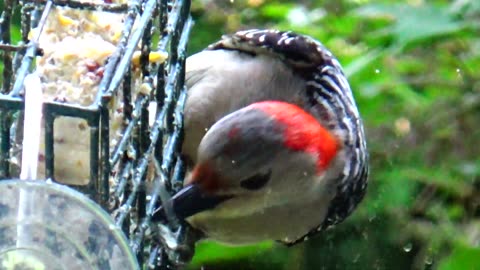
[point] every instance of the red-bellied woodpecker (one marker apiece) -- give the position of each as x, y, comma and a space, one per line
274, 137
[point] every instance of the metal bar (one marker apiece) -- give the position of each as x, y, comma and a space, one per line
146, 47
94, 157
31, 52
49, 148
159, 91
125, 208
123, 178
124, 191
8, 103
11, 48
127, 133
4, 144
103, 186
73, 110
5, 22
116, 8
130, 48
26, 13
113, 60
153, 257
173, 140
175, 26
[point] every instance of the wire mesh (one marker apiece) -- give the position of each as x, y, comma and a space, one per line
144, 154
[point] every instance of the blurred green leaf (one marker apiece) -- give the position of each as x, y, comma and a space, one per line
462, 257
414, 23
16, 35
206, 252
276, 11
364, 61
442, 178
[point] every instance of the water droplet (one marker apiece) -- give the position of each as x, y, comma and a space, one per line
408, 247
206, 129
377, 71
428, 260
233, 161
458, 70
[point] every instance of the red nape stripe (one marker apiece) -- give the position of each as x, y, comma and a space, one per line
303, 132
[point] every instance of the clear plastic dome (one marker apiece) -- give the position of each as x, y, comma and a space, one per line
50, 226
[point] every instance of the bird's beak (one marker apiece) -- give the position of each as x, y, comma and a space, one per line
189, 201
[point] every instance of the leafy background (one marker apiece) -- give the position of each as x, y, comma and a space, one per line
413, 66
414, 69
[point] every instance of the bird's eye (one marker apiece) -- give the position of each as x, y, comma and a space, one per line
256, 181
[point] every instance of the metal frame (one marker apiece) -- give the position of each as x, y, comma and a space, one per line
159, 145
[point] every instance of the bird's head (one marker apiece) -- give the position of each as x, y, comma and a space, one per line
268, 148
263, 152
258, 146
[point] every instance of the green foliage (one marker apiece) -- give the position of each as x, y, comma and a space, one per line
266, 255
413, 68
414, 24
463, 257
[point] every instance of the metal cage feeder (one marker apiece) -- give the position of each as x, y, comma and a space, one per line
143, 153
